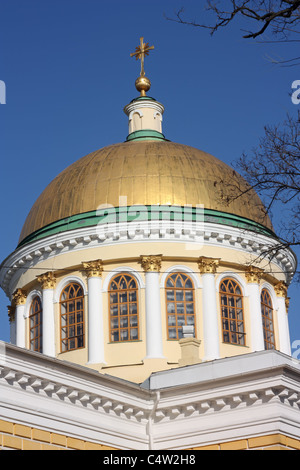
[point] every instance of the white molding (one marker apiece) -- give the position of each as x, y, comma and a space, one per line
204, 404
189, 234
136, 105
124, 269
33, 293
180, 268
270, 289
135, 111
157, 113
236, 277
64, 282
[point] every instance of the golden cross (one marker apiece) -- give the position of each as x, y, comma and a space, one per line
140, 52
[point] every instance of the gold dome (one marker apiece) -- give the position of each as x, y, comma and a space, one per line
147, 173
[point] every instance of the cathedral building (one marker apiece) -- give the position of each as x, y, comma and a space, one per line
148, 308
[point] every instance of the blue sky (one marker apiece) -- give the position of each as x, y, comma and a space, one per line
68, 74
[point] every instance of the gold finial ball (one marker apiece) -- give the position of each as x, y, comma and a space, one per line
142, 84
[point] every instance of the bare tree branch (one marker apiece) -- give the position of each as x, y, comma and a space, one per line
273, 171
280, 17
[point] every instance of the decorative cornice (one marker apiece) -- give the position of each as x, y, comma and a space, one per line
93, 268
137, 104
205, 403
195, 404
151, 214
281, 289
253, 274
19, 297
47, 280
208, 265
208, 234
151, 263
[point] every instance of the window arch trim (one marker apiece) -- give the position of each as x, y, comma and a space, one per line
72, 320
181, 269
124, 310
236, 277
232, 315
121, 270
32, 294
174, 317
270, 289
64, 282
37, 327
266, 318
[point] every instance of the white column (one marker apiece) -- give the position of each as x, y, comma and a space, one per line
282, 319
154, 345
93, 271
253, 276
12, 323
19, 298
48, 282
211, 339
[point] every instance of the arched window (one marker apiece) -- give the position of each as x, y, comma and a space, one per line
35, 324
180, 304
232, 314
123, 308
267, 319
72, 317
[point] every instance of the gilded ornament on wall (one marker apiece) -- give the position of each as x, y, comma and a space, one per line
208, 265
253, 274
151, 263
281, 289
11, 313
47, 280
19, 297
93, 268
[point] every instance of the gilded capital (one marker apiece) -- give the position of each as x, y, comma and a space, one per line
208, 265
19, 297
93, 268
11, 313
253, 274
287, 304
47, 280
281, 289
151, 263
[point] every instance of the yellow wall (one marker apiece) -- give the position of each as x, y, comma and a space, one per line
23, 437
131, 354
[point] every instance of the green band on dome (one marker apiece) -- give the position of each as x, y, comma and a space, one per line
146, 134
146, 213
143, 98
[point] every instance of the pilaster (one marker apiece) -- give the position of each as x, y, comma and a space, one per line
48, 283
208, 267
154, 346
12, 322
93, 271
282, 317
19, 298
253, 276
